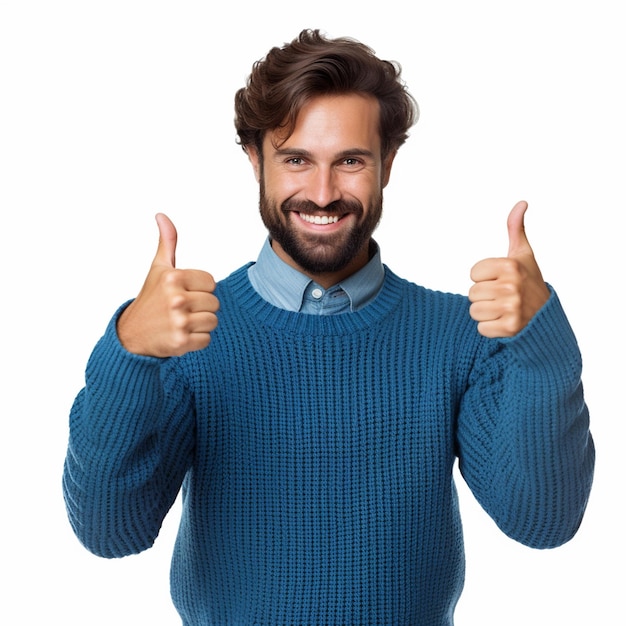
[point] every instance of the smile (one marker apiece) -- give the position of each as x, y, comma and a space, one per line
319, 219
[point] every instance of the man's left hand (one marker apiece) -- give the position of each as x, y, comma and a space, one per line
508, 291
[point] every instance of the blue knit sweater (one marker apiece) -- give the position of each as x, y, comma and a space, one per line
315, 455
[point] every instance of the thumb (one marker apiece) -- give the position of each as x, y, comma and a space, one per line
518, 242
166, 251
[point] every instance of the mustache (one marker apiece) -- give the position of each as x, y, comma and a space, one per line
338, 207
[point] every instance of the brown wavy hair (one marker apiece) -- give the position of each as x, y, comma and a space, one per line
313, 65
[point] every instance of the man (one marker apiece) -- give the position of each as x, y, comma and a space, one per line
315, 429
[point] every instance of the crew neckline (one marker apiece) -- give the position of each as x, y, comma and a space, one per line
248, 299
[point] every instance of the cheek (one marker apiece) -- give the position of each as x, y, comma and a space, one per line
281, 187
363, 188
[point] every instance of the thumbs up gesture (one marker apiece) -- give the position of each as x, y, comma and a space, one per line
507, 292
175, 311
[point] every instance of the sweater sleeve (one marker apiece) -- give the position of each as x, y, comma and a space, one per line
130, 445
524, 444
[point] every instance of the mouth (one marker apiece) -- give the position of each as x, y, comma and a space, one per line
319, 219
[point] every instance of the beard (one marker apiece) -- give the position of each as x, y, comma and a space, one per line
319, 253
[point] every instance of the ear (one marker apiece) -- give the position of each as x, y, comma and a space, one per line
255, 160
387, 163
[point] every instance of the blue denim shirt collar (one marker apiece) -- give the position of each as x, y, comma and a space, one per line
287, 288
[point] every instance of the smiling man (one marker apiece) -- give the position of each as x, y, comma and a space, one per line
321, 186
314, 431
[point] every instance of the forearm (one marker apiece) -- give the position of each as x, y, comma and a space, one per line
526, 450
123, 468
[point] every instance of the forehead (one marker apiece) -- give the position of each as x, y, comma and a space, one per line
333, 122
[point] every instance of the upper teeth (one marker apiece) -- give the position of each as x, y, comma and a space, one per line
319, 219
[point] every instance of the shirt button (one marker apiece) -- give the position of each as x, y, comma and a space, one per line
317, 293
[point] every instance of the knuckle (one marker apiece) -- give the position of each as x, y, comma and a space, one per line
178, 343
511, 324
171, 278
512, 303
514, 270
178, 323
178, 301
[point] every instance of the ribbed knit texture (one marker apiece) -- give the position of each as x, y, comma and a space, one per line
316, 455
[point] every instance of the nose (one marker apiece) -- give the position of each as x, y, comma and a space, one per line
323, 186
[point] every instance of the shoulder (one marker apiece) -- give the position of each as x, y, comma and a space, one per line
418, 295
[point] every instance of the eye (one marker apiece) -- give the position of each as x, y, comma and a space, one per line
352, 164
294, 161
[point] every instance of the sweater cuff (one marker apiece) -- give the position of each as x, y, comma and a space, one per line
120, 383
547, 339
113, 340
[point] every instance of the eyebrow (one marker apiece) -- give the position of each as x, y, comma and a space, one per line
299, 152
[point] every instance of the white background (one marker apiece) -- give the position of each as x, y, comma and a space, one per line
112, 111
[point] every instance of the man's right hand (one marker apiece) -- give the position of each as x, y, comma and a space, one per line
175, 311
